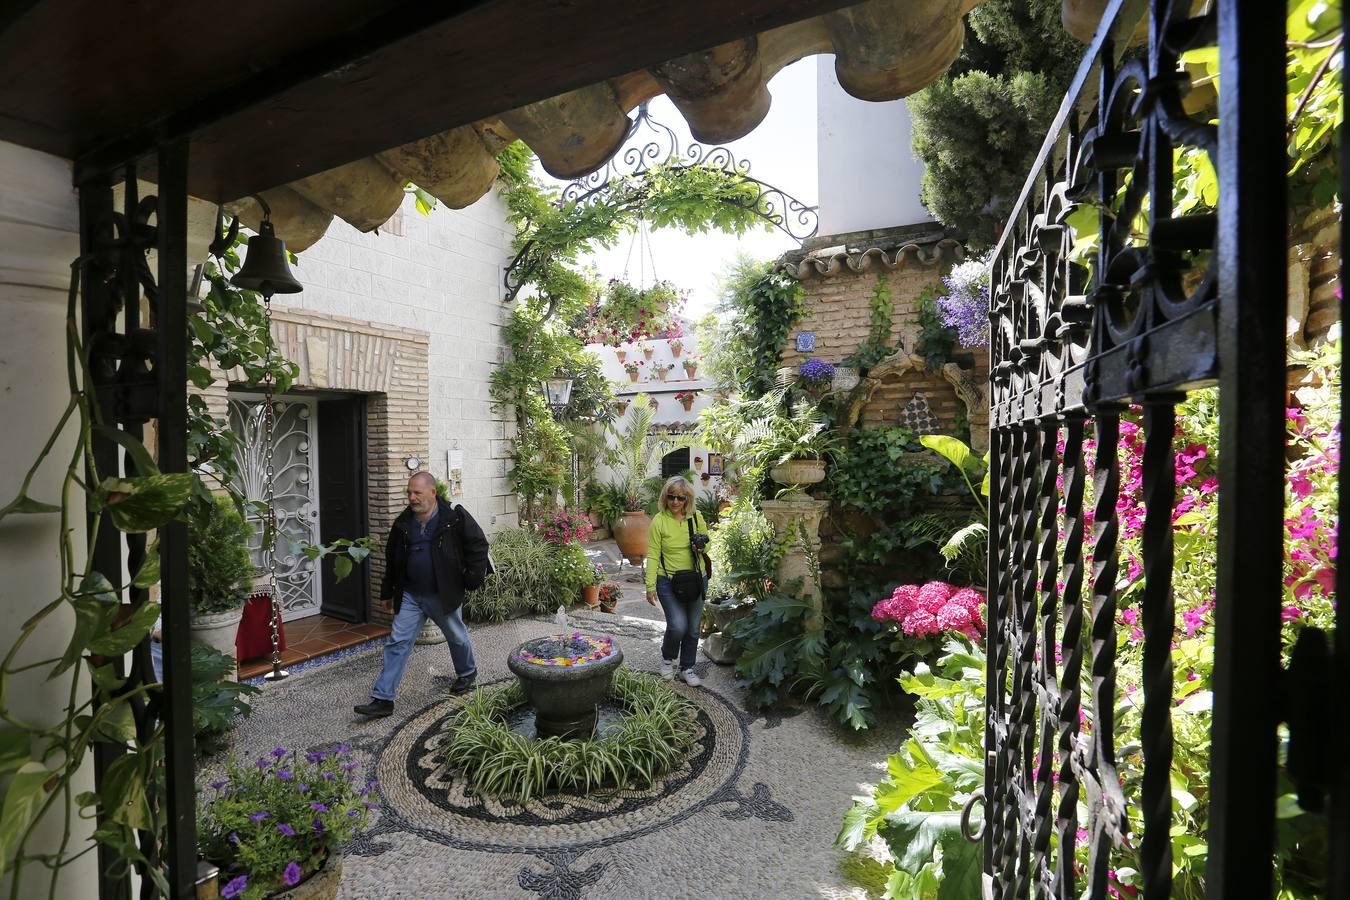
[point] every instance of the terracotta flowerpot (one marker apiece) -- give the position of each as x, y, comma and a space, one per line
648, 353
676, 351
663, 373
621, 354
687, 404
630, 531
632, 376
690, 371
590, 595
799, 472
698, 460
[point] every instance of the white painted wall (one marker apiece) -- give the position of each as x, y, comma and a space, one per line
669, 410
442, 275
868, 174
39, 238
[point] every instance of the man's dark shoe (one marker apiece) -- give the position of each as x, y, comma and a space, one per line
377, 709
463, 684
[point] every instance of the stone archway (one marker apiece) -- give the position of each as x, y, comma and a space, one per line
903, 383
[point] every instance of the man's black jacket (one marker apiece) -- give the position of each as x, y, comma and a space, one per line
459, 556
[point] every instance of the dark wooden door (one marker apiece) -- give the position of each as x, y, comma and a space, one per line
342, 499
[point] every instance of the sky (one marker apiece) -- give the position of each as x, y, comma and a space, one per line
781, 151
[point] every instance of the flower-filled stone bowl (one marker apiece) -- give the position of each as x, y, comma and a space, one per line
565, 676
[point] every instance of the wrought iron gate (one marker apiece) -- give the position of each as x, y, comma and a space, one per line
1195, 301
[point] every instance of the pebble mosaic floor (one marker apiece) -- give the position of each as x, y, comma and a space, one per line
753, 813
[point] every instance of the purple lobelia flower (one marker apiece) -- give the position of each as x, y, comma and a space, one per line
279, 752
816, 372
315, 756
258, 816
318, 807
292, 874
284, 775
217, 785
235, 887
286, 830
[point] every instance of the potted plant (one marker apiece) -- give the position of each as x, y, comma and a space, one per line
590, 593
686, 399
621, 353
608, 596
690, 367
816, 376
633, 453
676, 348
790, 444
219, 572
621, 405
632, 368
647, 349
698, 464
276, 827
663, 369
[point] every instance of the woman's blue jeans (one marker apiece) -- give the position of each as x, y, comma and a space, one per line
412, 614
682, 623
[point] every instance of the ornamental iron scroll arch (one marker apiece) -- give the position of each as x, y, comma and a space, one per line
1174, 300
659, 149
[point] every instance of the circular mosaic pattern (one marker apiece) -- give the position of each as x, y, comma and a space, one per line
425, 797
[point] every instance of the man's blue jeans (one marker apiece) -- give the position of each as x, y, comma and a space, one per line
412, 614
682, 623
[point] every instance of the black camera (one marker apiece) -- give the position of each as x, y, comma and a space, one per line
699, 541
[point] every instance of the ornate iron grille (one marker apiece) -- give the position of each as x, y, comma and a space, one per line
1170, 303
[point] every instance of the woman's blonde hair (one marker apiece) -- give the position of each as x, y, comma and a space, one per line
681, 484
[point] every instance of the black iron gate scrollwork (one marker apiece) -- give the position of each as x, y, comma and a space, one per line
1169, 304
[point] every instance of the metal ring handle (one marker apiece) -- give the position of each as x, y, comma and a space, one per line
976, 796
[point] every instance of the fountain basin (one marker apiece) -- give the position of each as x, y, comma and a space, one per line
565, 677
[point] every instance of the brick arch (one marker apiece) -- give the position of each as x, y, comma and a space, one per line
891, 385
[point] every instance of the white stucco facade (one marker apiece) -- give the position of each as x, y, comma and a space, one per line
441, 274
868, 174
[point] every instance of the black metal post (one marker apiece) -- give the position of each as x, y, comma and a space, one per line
171, 369
1252, 292
98, 319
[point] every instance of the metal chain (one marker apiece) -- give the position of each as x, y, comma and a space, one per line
269, 495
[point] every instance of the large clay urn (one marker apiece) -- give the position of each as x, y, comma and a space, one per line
630, 531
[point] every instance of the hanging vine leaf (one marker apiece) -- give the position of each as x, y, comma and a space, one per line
148, 574
95, 605
145, 502
27, 792
25, 505
16, 748
128, 634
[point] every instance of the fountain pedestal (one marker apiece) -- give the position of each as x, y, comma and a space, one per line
565, 677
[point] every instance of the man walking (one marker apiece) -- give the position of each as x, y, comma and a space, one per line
435, 552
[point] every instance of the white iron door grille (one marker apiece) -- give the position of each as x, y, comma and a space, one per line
295, 462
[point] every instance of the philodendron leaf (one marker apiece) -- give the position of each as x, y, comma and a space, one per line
26, 505
127, 635
342, 567
145, 502
27, 791
95, 604
954, 451
148, 574
15, 749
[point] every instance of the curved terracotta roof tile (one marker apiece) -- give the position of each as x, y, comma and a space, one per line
824, 265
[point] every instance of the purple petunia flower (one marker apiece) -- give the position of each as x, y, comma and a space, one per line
318, 826
235, 887
283, 775
258, 816
348, 767
327, 776
302, 788
370, 805
292, 874
234, 837
318, 807
262, 764
343, 748
315, 756
279, 752
286, 830
217, 785
353, 813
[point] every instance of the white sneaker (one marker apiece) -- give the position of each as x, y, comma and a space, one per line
690, 678
667, 669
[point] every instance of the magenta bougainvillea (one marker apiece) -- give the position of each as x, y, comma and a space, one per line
929, 610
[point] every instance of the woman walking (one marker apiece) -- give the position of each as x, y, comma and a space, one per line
675, 576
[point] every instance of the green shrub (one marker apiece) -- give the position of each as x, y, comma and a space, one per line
744, 552
219, 564
651, 740
533, 576
605, 499
216, 700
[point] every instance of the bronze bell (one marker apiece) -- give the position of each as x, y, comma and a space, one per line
265, 268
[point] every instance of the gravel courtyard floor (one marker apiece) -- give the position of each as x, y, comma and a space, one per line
753, 813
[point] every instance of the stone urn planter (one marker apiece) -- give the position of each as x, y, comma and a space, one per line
630, 531
564, 678
217, 629
717, 618
798, 473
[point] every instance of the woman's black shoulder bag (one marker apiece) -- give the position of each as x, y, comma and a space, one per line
687, 584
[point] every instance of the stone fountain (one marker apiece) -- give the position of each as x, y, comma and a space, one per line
565, 677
